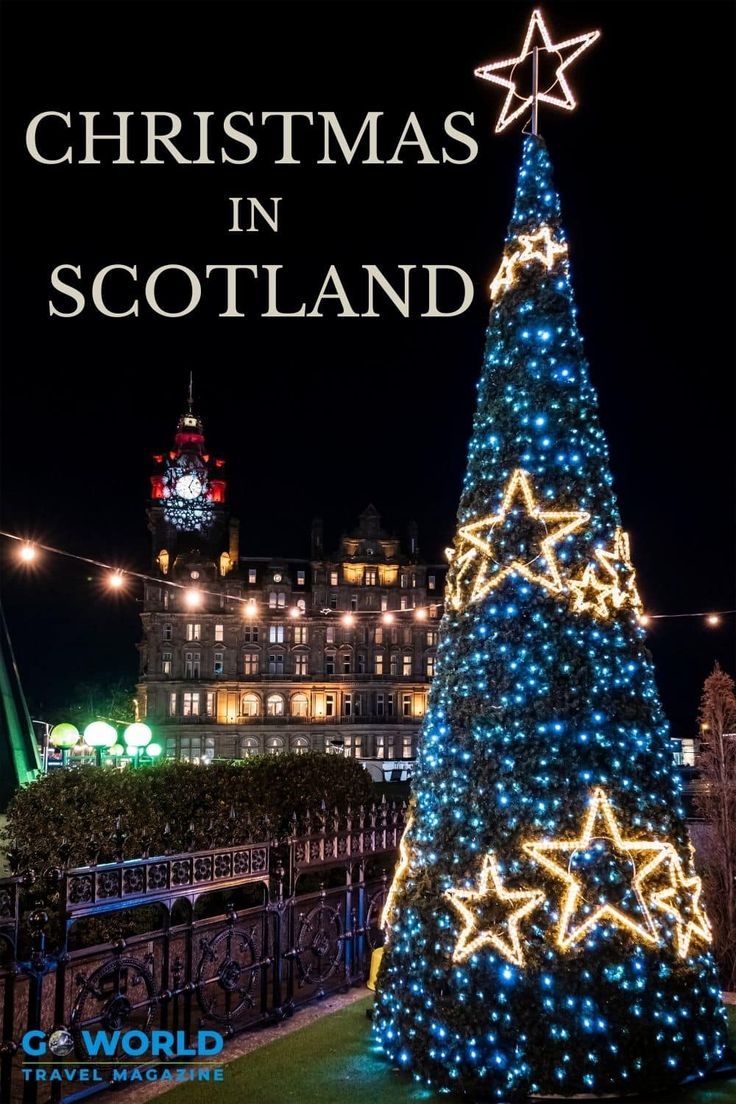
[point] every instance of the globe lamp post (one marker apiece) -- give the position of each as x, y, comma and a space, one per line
100, 735
64, 737
137, 736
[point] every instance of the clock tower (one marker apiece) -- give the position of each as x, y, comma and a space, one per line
188, 516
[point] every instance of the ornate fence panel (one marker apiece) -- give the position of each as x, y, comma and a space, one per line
225, 939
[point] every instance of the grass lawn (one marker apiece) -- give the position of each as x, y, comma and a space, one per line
332, 1061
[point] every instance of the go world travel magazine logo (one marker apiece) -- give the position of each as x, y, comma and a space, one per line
120, 1056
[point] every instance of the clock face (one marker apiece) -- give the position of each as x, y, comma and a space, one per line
188, 486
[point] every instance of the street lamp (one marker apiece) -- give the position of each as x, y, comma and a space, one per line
137, 736
99, 735
64, 736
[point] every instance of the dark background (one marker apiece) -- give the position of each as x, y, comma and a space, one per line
325, 415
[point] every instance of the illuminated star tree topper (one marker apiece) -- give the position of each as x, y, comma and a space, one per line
511, 73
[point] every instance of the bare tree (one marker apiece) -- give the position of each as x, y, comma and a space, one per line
716, 801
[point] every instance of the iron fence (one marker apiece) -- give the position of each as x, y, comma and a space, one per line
225, 939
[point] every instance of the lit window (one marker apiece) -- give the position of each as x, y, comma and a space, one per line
301, 634
274, 745
301, 664
248, 747
209, 703
272, 600
380, 747
407, 749
276, 634
330, 634
251, 663
218, 665
407, 635
406, 705
404, 602
353, 747
413, 579
275, 705
378, 637
301, 605
432, 582
172, 705
433, 611
431, 638
250, 705
166, 663
252, 577
194, 631
219, 633
276, 664
394, 664
371, 577
379, 663
357, 704
299, 705
166, 598
167, 632
191, 665
281, 599
430, 666
333, 578
300, 746
406, 666
384, 603
404, 580
190, 704
329, 705
301, 578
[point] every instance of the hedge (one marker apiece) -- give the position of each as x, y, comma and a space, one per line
80, 815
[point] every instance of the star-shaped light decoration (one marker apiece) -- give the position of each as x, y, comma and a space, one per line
566, 51
681, 900
590, 593
472, 577
530, 251
503, 936
616, 562
405, 860
642, 857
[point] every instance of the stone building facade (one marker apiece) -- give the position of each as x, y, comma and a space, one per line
243, 655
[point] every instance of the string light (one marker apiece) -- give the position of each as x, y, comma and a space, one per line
348, 619
294, 612
492, 71
27, 553
116, 581
193, 597
471, 939
713, 619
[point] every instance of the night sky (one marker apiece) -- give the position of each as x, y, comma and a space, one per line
322, 416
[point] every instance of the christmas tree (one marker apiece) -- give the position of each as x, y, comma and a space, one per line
545, 928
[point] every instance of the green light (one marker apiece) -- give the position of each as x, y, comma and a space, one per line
154, 750
64, 736
116, 751
100, 734
137, 735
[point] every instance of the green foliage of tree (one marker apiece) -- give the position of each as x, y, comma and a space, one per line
716, 802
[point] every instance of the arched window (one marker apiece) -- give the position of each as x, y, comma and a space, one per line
250, 705
248, 747
299, 705
300, 745
274, 745
275, 706
301, 605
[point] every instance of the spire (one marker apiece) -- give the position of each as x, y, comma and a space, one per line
19, 761
191, 390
